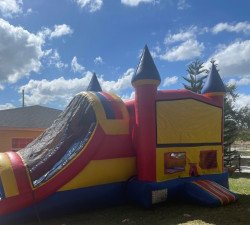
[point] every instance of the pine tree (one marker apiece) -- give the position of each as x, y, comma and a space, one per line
244, 117
231, 129
196, 79
230, 116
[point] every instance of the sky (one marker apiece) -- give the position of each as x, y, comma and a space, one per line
49, 49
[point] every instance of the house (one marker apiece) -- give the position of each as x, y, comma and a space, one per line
19, 126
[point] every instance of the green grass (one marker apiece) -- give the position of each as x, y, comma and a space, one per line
169, 213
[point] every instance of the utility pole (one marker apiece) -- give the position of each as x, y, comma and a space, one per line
23, 98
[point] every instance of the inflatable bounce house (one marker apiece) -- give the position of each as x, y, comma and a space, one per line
160, 146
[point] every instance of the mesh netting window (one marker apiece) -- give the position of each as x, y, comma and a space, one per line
174, 162
208, 159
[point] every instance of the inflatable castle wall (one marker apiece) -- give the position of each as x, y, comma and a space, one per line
163, 145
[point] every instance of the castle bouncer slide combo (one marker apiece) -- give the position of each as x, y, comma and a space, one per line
163, 145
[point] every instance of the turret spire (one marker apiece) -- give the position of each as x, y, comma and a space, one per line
146, 69
94, 84
214, 83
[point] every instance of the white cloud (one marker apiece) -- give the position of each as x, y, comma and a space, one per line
91, 5
98, 60
182, 45
136, 2
121, 84
233, 59
8, 8
29, 11
20, 52
44, 33
242, 101
170, 81
183, 35
6, 106
155, 51
75, 66
244, 81
129, 96
243, 27
182, 5
232, 81
1, 87
59, 31
54, 58
60, 90
185, 51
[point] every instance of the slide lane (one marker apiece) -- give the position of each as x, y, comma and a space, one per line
18, 192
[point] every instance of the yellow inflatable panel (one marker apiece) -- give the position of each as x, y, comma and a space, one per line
188, 121
7, 176
193, 155
106, 171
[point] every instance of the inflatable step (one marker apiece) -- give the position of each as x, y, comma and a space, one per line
209, 193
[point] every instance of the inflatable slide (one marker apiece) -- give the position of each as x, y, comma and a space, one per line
93, 130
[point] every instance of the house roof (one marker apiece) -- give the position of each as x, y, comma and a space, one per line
146, 69
28, 117
94, 84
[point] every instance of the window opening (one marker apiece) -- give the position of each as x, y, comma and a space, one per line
174, 162
208, 159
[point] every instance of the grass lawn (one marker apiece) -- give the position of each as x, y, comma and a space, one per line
170, 213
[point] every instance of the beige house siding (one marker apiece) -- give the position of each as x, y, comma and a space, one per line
7, 134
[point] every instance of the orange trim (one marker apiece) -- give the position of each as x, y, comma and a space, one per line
215, 94
20, 128
145, 82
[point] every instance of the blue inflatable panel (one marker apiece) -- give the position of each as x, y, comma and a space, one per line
150, 193
68, 202
182, 189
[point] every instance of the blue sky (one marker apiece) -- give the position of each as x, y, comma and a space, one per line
50, 48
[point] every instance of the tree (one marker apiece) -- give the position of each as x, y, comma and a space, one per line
236, 125
236, 120
231, 117
244, 132
196, 78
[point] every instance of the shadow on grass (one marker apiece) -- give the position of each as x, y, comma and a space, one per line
240, 175
168, 213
